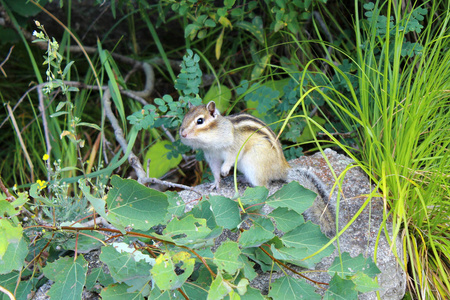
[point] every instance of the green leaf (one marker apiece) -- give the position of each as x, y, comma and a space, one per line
20, 200
309, 133
132, 204
295, 256
160, 164
97, 203
171, 270
69, 277
286, 219
210, 23
260, 66
84, 243
292, 196
157, 294
67, 68
203, 211
351, 265
194, 291
120, 291
254, 196
249, 271
13, 248
253, 294
6, 209
254, 28
188, 230
219, 288
306, 235
176, 205
260, 232
24, 7
364, 283
220, 94
90, 125
9, 282
226, 211
60, 113
340, 289
228, 3
128, 265
98, 275
226, 257
292, 288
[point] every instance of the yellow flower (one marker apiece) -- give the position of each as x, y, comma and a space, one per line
45, 157
42, 184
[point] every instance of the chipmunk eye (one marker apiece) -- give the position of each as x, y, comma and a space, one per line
200, 121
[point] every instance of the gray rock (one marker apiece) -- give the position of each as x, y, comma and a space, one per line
359, 238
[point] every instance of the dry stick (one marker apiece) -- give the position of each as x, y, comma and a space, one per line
18, 102
5, 60
45, 124
80, 85
22, 144
9, 197
132, 158
118, 133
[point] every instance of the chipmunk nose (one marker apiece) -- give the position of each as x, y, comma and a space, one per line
183, 133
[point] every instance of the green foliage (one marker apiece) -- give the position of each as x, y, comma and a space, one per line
292, 288
53, 59
287, 13
160, 164
69, 277
188, 82
179, 257
129, 204
397, 107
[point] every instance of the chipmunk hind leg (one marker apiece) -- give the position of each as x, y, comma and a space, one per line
254, 170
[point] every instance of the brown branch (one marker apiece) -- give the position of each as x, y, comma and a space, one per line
9, 197
134, 234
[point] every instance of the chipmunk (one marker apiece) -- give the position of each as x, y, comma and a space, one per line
261, 160
221, 137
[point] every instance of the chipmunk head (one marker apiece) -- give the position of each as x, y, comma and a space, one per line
200, 124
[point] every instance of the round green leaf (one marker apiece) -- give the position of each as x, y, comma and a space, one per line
159, 163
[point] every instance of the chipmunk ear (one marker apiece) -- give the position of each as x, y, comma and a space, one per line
190, 105
211, 107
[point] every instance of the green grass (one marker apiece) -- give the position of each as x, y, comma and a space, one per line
401, 114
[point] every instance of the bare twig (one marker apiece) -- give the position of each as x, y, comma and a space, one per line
45, 124
80, 85
18, 103
9, 197
169, 184
132, 158
5, 60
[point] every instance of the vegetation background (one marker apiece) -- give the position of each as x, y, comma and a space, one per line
368, 78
